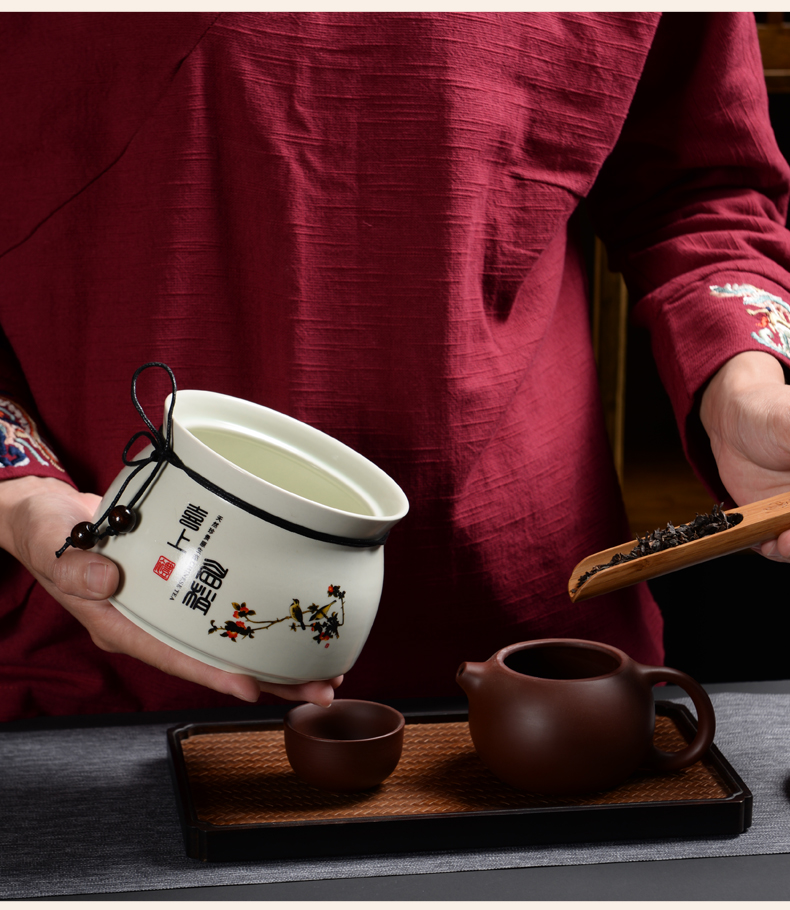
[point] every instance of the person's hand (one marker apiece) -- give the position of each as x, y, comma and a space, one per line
745, 410
36, 516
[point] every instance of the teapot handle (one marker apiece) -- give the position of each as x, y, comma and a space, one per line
706, 720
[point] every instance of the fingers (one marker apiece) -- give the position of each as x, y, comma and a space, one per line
321, 692
78, 574
87, 579
777, 550
140, 644
42, 512
111, 631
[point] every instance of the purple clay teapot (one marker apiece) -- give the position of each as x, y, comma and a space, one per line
565, 717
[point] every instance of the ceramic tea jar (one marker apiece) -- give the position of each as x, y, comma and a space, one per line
566, 717
255, 543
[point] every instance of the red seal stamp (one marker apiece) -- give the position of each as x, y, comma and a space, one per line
164, 567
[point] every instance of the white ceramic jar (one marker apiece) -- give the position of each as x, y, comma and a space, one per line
205, 573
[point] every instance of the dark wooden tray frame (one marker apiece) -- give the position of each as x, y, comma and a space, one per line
496, 829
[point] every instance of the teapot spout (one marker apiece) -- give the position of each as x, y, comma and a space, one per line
470, 676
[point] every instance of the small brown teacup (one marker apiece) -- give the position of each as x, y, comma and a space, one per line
351, 745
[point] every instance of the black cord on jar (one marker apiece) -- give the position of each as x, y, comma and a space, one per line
122, 518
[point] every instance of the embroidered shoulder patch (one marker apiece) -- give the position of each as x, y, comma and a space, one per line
20, 440
773, 314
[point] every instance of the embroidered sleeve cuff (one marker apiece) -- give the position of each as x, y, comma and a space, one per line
23, 450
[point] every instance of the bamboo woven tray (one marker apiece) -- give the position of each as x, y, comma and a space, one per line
239, 800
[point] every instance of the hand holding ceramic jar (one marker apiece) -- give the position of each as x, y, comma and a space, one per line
247, 539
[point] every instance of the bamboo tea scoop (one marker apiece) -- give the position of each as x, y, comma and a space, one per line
762, 520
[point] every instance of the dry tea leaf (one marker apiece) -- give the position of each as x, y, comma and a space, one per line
672, 536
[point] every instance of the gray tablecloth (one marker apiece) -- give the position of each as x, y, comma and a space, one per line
91, 811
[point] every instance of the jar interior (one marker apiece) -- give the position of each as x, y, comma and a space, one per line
283, 467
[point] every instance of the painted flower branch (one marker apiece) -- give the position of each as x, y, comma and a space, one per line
314, 618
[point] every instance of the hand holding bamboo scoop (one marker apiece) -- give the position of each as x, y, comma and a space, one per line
735, 529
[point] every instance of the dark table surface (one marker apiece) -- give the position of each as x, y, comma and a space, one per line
759, 877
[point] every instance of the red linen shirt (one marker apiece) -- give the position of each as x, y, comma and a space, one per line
366, 221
